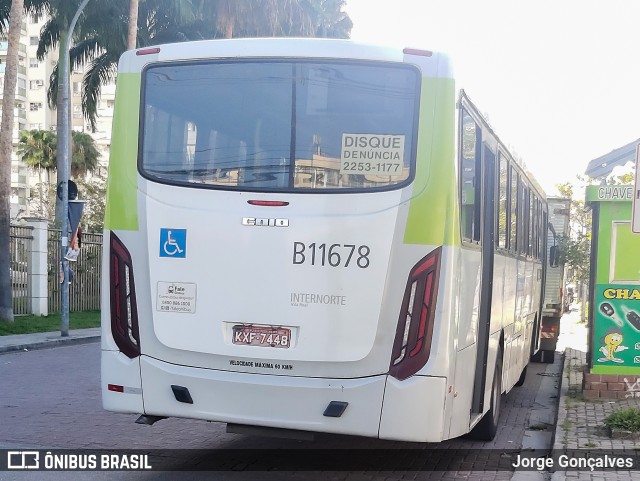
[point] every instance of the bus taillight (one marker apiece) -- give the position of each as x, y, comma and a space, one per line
412, 344
124, 312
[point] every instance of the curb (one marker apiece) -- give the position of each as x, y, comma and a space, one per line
558, 437
49, 343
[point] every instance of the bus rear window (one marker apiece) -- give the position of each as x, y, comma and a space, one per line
280, 125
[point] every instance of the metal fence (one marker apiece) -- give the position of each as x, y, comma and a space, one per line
84, 291
20, 241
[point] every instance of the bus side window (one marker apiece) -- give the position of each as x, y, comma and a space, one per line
502, 205
541, 231
513, 211
532, 224
470, 178
522, 249
526, 206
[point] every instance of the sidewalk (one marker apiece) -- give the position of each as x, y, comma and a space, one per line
43, 340
580, 423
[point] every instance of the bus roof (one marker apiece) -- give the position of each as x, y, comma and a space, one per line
432, 64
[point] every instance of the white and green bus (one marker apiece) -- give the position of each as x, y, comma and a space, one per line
314, 235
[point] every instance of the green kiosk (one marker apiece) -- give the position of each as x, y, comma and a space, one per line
614, 307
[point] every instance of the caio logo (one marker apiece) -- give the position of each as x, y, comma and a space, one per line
265, 222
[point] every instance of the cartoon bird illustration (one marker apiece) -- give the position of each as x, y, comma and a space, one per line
612, 340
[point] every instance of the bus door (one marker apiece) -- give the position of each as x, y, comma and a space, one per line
487, 230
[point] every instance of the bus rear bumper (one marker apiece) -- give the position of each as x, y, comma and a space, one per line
120, 383
414, 409
263, 399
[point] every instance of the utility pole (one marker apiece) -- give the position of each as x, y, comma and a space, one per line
63, 143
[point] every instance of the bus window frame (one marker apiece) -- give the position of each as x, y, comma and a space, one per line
502, 157
513, 210
293, 61
476, 236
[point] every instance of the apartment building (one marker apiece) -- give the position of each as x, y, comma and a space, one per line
19, 174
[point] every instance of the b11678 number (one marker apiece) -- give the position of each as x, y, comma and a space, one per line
334, 255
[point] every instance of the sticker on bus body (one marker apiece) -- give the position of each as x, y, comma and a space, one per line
173, 243
177, 297
372, 154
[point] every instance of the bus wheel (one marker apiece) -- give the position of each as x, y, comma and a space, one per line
486, 429
522, 377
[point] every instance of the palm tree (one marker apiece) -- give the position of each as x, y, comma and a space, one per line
84, 156
277, 18
258, 18
100, 44
6, 134
331, 21
37, 149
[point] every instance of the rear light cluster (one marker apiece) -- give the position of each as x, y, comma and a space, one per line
124, 312
412, 344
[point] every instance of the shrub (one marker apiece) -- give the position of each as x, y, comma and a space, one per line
626, 419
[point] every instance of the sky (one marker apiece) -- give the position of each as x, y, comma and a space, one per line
559, 81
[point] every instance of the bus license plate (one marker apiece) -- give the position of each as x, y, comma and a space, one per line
261, 336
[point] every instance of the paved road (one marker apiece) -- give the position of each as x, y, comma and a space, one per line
50, 399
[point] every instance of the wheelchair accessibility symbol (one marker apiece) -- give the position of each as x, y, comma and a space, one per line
173, 243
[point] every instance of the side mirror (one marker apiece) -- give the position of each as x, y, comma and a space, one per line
553, 256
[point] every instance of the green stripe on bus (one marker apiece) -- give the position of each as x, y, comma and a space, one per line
433, 211
121, 211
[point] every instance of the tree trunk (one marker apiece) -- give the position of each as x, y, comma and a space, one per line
228, 29
41, 186
6, 144
133, 25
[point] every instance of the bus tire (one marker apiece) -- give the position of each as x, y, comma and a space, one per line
523, 376
487, 428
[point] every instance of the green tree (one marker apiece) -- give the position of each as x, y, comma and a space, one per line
37, 149
44, 205
575, 249
276, 18
84, 156
6, 131
93, 191
99, 44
